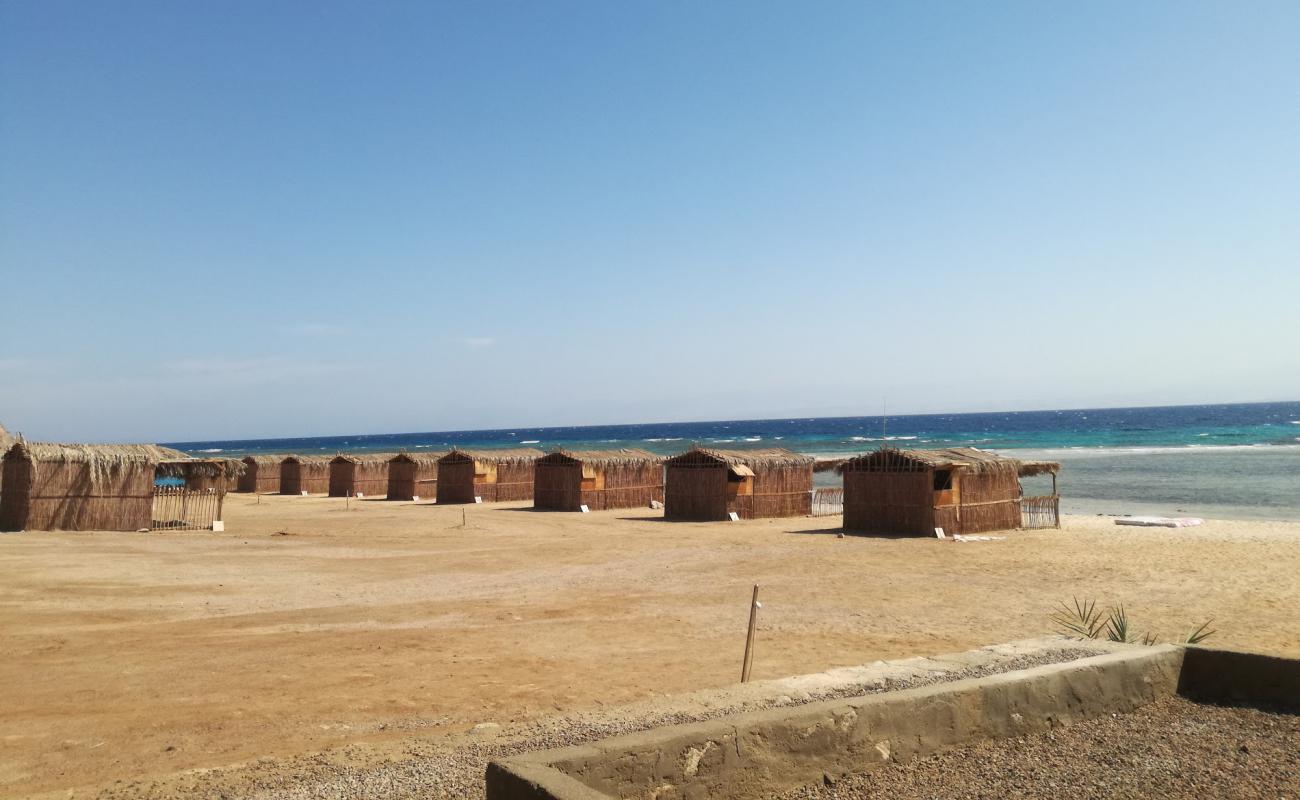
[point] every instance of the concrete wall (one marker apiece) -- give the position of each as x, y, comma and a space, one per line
752, 754
764, 751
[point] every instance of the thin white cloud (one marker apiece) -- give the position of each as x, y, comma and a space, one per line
479, 342
12, 364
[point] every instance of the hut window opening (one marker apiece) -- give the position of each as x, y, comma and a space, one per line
942, 480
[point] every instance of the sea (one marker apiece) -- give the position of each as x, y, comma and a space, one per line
1235, 461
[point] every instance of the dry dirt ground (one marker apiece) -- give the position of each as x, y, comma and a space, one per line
312, 623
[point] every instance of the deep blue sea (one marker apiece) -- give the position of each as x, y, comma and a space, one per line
1236, 461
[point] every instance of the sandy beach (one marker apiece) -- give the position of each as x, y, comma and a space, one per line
371, 628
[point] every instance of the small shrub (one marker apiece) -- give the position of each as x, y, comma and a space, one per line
1082, 619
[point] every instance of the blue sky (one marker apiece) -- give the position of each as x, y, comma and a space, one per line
273, 219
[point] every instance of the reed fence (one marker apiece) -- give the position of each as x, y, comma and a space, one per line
1040, 512
827, 502
176, 508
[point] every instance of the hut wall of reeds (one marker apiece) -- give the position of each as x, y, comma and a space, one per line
357, 474
80, 487
261, 474
566, 480
310, 474
412, 475
494, 475
707, 484
912, 492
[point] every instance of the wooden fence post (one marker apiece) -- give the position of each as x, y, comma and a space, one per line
749, 637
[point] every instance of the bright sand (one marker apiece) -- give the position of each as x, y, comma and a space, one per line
135, 656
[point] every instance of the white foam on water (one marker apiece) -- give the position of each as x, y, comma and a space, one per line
530, 441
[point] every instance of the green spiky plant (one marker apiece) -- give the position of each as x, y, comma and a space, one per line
1082, 619
1200, 634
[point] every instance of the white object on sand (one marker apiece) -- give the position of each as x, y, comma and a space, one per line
1160, 522
957, 537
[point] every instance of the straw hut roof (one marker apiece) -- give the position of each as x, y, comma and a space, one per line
6, 439
367, 459
969, 458
265, 459
204, 467
1029, 468
102, 459
423, 458
761, 457
608, 458
501, 456
297, 459
106, 454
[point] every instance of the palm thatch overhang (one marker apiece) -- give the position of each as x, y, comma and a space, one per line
227, 468
307, 460
265, 460
889, 459
505, 455
764, 457
364, 459
7, 440
102, 461
602, 458
423, 459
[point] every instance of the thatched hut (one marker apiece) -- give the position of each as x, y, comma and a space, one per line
566, 480
305, 475
706, 484
962, 490
261, 474
80, 487
7, 440
493, 475
412, 475
359, 474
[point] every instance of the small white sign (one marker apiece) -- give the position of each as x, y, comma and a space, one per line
304, 492
415, 498
218, 526
478, 499
939, 534
360, 495
733, 516
584, 509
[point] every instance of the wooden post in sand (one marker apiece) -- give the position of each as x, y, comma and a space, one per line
749, 638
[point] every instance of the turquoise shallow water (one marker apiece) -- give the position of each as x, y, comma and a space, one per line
1215, 460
